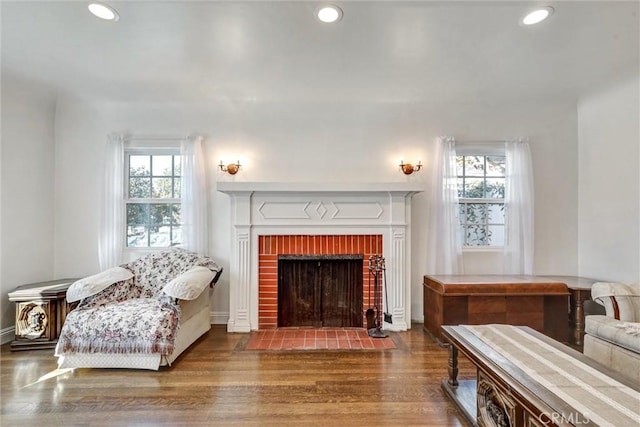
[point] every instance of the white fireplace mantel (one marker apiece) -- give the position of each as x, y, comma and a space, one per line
313, 187
269, 208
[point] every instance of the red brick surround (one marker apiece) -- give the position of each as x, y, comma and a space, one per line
272, 246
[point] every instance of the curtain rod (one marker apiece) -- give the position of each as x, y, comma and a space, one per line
486, 141
154, 138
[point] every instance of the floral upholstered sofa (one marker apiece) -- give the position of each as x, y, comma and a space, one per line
139, 315
614, 339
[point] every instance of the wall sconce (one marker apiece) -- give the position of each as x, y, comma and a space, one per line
231, 168
408, 168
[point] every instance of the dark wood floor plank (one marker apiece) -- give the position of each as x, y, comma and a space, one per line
217, 383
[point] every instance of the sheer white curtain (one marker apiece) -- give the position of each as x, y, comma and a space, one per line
194, 196
445, 244
518, 249
111, 233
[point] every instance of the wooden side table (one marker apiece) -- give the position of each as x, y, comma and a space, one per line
41, 309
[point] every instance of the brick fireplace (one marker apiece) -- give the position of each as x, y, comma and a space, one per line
270, 246
286, 218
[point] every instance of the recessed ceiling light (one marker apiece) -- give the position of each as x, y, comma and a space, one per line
104, 11
329, 13
537, 15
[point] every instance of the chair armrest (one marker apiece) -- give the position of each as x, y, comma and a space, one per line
119, 291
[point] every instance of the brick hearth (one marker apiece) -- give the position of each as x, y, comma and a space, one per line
317, 339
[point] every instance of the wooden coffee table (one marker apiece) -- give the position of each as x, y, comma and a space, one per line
524, 378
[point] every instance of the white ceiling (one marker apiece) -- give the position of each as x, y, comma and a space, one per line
275, 51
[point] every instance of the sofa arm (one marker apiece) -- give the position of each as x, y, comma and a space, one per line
621, 301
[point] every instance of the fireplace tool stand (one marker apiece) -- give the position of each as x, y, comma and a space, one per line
378, 271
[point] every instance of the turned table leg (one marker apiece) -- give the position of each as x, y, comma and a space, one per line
578, 321
453, 366
577, 301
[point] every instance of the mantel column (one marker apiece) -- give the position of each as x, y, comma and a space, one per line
240, 280
399, 262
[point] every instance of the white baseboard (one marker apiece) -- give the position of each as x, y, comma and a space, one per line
219, 317
7, 335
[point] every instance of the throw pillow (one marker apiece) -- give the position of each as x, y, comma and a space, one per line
98, 282
190, 284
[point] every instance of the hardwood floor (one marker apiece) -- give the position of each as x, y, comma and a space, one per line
216, 382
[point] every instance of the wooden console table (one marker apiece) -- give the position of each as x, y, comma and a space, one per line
41, 309
477, 299
526, 379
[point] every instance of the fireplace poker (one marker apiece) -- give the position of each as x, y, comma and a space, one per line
376, 265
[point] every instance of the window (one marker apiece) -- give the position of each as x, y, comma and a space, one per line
481, 183
152, 199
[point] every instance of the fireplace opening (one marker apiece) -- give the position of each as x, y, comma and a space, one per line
270, 247
320, 290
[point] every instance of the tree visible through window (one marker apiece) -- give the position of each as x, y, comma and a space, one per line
481, 182
153, 200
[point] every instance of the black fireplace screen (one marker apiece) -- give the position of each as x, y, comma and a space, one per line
320, 290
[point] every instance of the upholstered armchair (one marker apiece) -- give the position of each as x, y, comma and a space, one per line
139, 315
614, 339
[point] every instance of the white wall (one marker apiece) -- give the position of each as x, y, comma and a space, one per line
609, 181
587, 205
27, 184
353, 142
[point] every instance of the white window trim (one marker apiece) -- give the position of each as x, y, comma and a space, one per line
152, 147
481, 149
